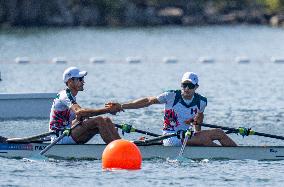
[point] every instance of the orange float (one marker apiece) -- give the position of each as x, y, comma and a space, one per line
121, 154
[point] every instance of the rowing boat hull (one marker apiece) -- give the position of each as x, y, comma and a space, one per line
94, 151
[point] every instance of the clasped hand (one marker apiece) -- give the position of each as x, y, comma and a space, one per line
113, 108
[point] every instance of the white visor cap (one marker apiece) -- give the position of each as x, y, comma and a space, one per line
190, 76
73, 72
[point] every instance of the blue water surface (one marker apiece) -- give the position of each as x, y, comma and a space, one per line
249, 95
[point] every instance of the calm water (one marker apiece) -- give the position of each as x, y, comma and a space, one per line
249, 95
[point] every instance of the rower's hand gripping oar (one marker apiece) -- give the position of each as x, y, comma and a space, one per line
188, 135
66, 132
243, 131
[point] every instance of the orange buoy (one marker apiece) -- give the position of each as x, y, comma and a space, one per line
121, 154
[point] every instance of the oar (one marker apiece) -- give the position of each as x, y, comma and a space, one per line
30, 138
187, 136
65, 133
128, 128
154, 140
243, 131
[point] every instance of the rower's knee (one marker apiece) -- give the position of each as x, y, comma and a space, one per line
101, 119
107, 119
101, 122
98, 120
219, 131
94, 122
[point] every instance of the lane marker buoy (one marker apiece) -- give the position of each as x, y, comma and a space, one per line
121, 154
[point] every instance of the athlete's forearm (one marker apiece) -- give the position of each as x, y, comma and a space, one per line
86, 112
139, 103
198, 120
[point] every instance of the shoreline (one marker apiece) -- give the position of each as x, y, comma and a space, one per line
129, 13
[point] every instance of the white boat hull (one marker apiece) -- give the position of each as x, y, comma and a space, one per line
94, 151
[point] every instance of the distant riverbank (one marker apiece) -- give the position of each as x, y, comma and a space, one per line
127, 13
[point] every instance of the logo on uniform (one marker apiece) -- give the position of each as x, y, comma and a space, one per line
170, 120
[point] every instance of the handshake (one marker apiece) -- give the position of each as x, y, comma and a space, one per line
113, 108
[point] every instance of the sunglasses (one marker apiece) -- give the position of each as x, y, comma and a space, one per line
189, 85
78, 78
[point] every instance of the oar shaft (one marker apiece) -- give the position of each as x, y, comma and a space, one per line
217, 126
52, 144
183, 146
140, 131
269, 135
66, 132
236, 130
153, 140
147, 133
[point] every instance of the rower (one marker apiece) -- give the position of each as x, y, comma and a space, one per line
183, 107
66, 113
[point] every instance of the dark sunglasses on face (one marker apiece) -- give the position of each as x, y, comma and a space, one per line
78, 78
189, 85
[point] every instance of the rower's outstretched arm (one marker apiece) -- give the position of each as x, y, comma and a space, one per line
88, 112
140, 103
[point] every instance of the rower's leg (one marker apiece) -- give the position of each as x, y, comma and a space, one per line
207, 137
221, 136
108, 131
83, 132
201, 139
88, 128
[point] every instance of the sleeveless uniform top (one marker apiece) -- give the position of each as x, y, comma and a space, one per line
61, 115
177, 110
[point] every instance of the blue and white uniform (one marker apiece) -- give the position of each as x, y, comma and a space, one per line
177, 111
61, 115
